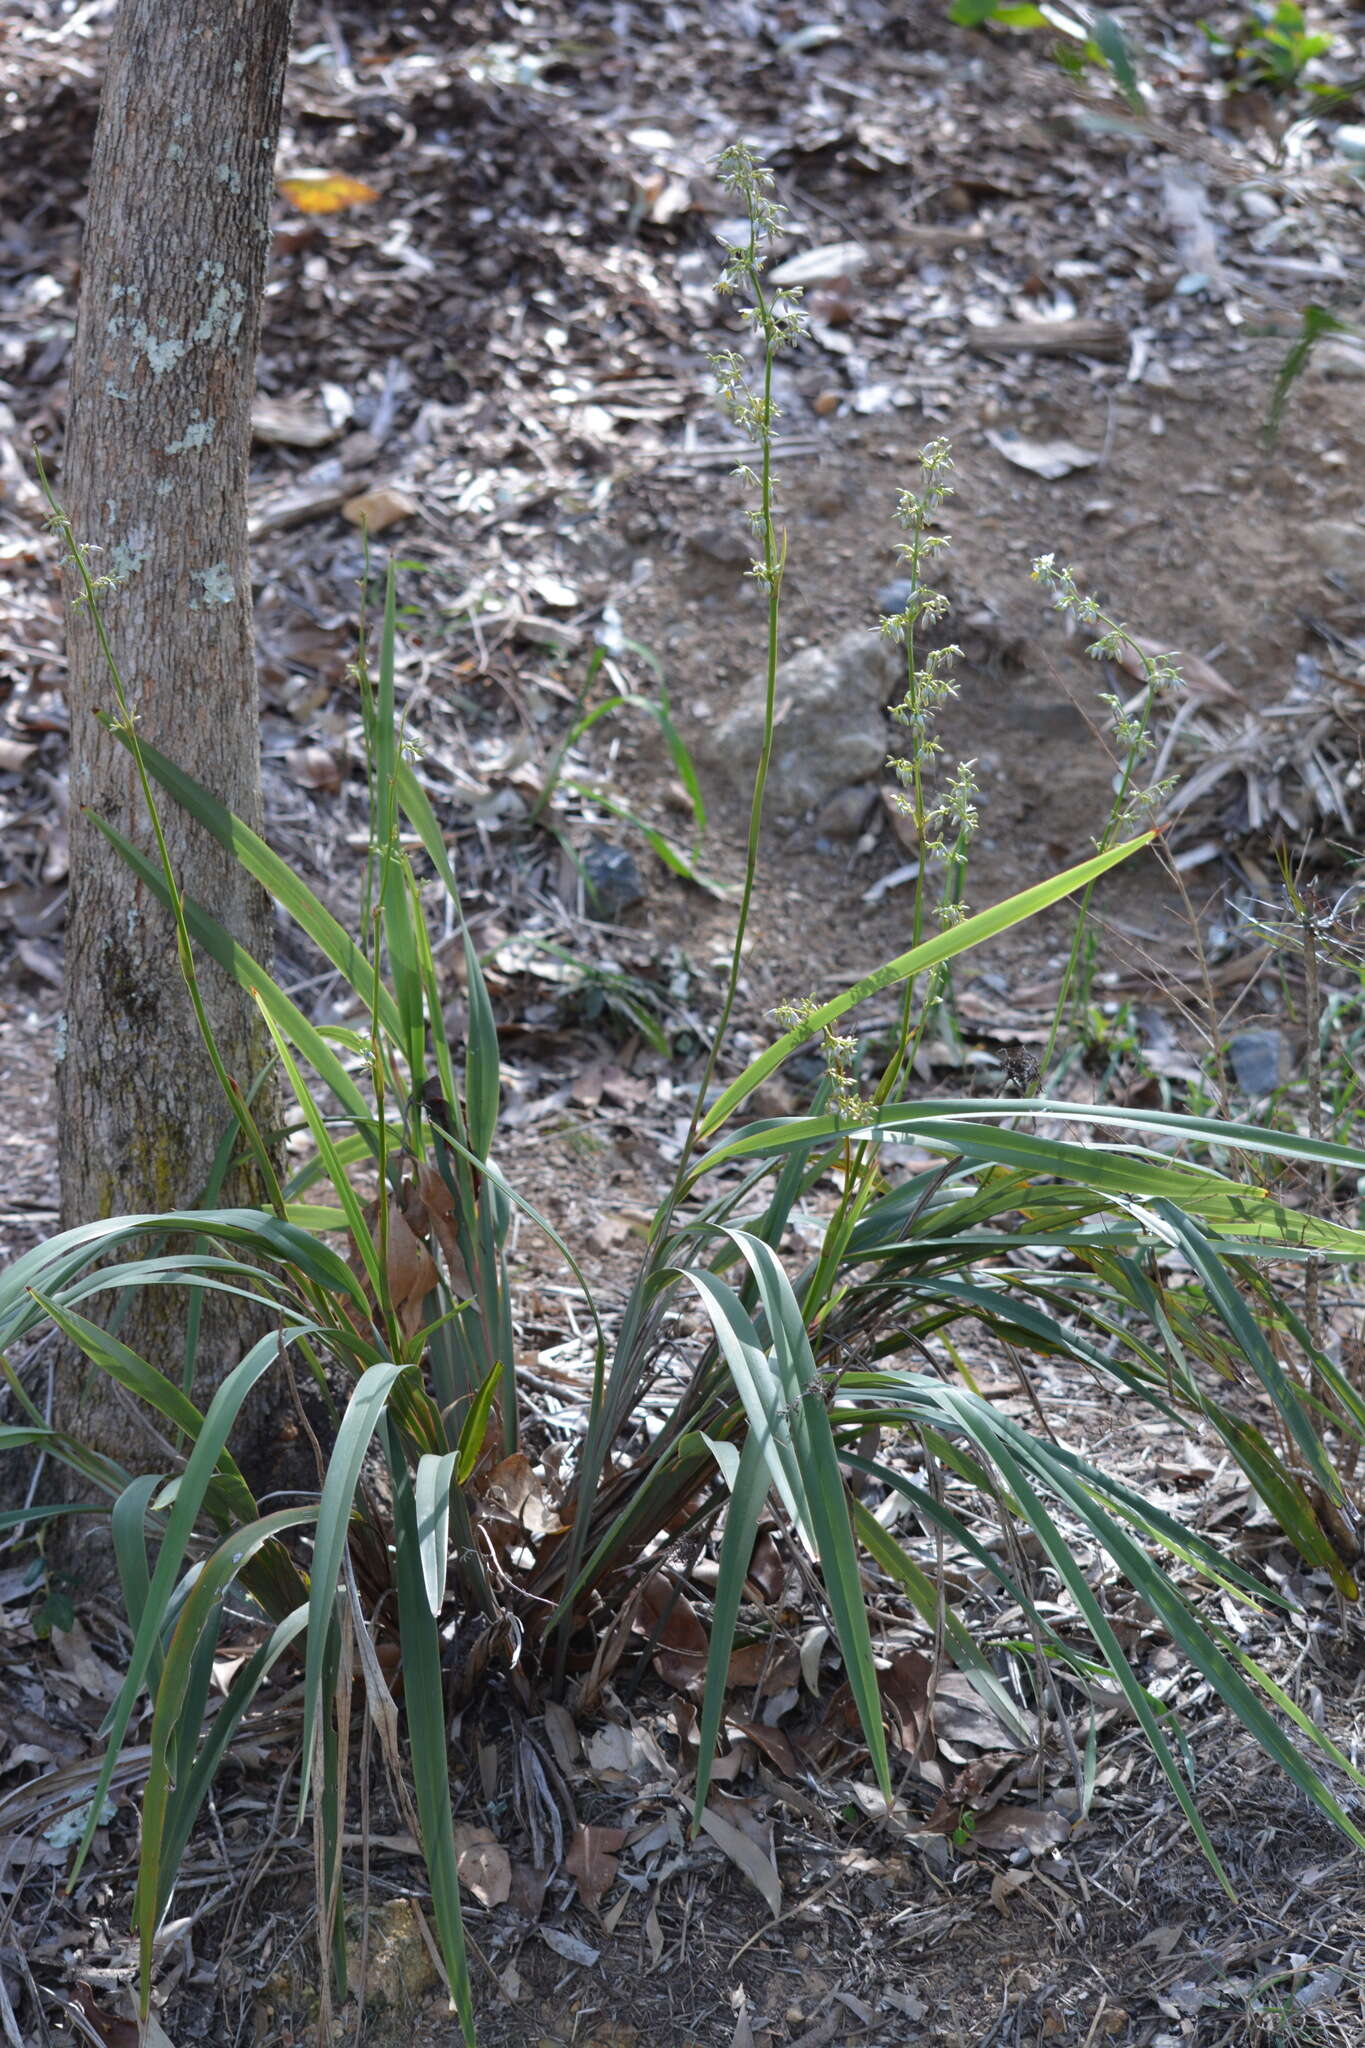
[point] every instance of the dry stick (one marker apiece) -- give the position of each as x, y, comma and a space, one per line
366, 1738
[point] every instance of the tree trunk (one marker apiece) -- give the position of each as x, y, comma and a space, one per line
155, 485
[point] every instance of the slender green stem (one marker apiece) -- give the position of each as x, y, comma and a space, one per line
773, 563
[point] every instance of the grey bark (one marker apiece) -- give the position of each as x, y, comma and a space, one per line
154, 482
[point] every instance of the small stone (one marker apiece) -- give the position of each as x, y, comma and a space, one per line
825, 402
399, 1969
1257, 204
893, 597
1339, 358
831, 728
1259, 1060
1339, 546
730, 543
611, 879
844, 814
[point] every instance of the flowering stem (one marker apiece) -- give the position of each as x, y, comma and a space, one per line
773, 563
1135, 737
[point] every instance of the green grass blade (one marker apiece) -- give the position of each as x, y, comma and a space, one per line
474, 1428
275, 875
1201, 1650
1054, 1543
424, 1702
199, 1470
826, 1497
353, 1212
250, 975
364, 1412
190, 1791
1251, 1343
201, 1608
228, 1498
748, 1491
658, 842
127, 1522
431, 1501
760, 1391
483, 1063
946, 945
50, 1266
929, 1604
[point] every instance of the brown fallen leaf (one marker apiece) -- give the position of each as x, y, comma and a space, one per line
669, 1618
439, 1205
592, 1861
314, 768
1034, 1828
747, 1857
767, 1573
379, 508
618, 1754
76, 1655
1049, 459
1200, 675
106, 2026
973, 1793
513, 1501
775, 1744
412, 1272
563, 1736
484, 1865
771, 1666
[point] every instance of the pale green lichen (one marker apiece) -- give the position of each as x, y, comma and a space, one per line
161, 355
215, 586
197, 434
226, 309
126, 557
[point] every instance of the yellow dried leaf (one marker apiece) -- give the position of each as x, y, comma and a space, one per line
325, 192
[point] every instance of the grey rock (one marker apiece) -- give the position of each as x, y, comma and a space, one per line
611, 880
844, 815
831, 729
894, 596
1260, 1061
1339, 546
724, 541
1339, 359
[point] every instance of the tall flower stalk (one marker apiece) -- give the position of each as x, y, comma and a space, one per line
941, 826
1133, 803
775, 318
